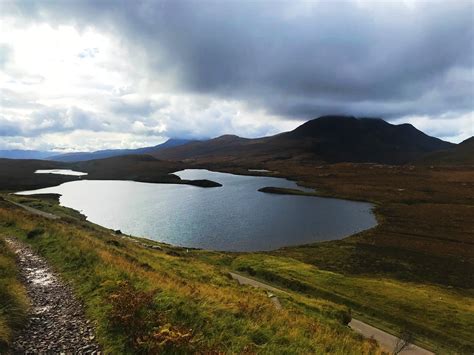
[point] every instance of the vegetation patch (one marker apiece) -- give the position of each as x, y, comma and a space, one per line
424, 310
13, 299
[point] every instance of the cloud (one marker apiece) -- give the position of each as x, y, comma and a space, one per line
342, 53
5, 52
49, 120
455, 128
88, 53
170, 68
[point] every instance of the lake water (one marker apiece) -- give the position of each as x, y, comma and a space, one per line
60, 172
234, 217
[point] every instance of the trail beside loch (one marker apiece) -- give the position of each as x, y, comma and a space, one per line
57, 323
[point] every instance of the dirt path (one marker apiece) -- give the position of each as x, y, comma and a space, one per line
248, 281
386, 341
57, 323
34, 210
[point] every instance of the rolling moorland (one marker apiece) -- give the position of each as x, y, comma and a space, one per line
411, 273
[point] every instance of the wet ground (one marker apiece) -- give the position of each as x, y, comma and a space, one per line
57, 323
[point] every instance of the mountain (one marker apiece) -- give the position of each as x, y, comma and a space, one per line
24, 154
461, 154
329, 139
108, 153
223, 146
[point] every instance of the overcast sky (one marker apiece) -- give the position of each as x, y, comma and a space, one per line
86, 75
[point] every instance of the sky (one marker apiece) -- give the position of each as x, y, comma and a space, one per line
88, 75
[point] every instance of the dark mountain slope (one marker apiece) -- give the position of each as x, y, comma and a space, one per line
339, 139
328, 138
223, 146
461, 154
102, 154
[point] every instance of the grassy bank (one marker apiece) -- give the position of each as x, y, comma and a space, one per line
440, 318
13, 300
145, 299
413, 269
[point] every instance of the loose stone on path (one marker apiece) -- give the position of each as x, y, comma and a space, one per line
57, 323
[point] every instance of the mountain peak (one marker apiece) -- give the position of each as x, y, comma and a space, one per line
227, 137
332, 138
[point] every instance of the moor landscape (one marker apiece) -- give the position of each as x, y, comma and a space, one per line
241, 177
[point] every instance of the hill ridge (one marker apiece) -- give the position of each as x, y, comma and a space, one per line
330, 138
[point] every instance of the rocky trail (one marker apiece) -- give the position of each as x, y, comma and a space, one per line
57, 323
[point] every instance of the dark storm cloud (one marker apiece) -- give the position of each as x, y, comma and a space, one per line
297, 59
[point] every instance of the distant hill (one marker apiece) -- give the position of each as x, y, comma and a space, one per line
18, 174
108, 153
329, 139
24, 154
461, 154
226, 145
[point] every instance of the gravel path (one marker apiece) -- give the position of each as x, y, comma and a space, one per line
386, 341
57, 323
35, 210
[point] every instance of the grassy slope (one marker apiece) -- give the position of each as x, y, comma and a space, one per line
171, 300
13, 300
423, 245
441, 318
461, 154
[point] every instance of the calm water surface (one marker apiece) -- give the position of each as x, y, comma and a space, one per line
234, 217
60, 172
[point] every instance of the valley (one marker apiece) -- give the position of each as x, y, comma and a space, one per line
407, 275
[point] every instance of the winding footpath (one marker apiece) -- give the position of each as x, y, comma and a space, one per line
386, 341
57, 323
34, 210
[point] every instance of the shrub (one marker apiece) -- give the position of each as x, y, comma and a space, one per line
260, 337
346, 317
248, 269
35, 233
115, 243
135, 316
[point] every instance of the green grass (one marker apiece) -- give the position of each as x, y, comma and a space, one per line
440, 318
13, 300
47, 203
173, 301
